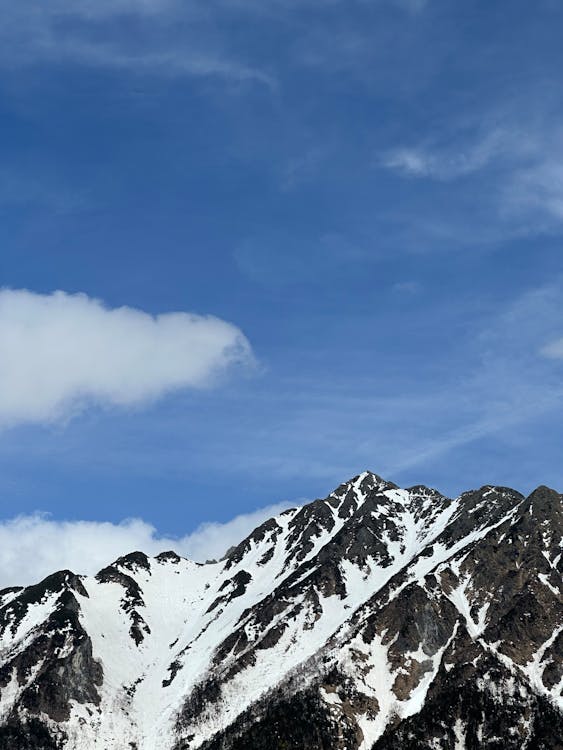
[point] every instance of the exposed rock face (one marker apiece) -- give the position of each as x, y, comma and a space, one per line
375, 619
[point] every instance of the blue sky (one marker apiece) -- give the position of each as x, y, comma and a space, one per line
371, 192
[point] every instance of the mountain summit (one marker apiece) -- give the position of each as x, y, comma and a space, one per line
378, 618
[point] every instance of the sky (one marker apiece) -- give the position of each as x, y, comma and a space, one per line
250, 249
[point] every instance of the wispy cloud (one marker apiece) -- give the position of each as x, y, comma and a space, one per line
178, 62
520, 171
304, 167
60, 352
162, 37
33, 546
461, 158
21, 187
537, 190
553, 350
504, 384
492, 380
279, 258
407, 287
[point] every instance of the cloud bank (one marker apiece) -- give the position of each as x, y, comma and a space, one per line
61, 352
32, 547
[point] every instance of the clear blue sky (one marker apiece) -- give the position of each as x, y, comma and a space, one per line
371, 191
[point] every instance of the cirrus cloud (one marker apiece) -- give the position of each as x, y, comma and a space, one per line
61, 352
86, 33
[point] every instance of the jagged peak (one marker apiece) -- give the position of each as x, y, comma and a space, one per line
545, 502
235, 553
425, 491
498, 489
365, 480
54, 583
169, 556
374, 477
132, 561
490, 496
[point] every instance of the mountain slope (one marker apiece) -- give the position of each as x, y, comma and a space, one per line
375, 618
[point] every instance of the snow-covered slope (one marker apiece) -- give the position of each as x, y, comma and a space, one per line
375, 618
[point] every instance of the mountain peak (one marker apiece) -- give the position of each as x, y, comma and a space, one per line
377, 618
546, 496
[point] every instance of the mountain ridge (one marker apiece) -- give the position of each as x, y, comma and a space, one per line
359, 611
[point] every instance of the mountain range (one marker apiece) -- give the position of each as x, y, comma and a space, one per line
378, 618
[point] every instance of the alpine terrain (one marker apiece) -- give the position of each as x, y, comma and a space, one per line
378, 618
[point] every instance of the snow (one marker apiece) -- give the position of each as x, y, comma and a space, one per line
9, 696
141, 696
12, 691
535, 667
35, 615
177, 598
459, 733
330, 698
544, 579
459, 598
376, 679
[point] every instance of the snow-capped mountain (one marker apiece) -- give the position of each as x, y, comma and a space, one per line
378, 618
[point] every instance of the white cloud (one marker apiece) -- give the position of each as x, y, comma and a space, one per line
60, 352
171, 62
537, 189
524, 178
412, 161
446, 163
166, 37
32, 547
406, 287
553, 350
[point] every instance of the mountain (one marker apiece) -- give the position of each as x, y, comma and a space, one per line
378, 618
